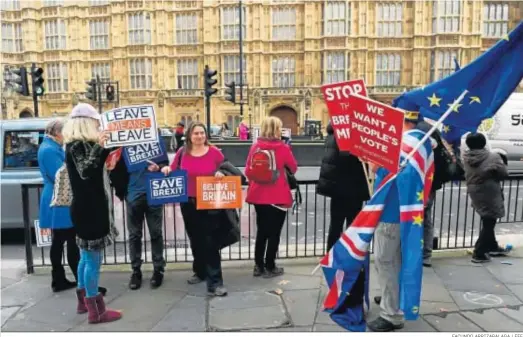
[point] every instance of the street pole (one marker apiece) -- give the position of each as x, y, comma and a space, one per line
35, 96
99, 89
208, 113
241, 58
117, 94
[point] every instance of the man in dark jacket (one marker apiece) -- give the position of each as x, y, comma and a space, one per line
343, 180
443, 161
131, 187
179, 132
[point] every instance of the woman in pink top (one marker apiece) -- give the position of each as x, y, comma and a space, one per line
244, 131
200, 159
270, 200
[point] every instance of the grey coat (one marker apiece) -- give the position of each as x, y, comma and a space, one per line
484, 171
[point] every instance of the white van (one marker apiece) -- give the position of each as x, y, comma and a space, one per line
505, 132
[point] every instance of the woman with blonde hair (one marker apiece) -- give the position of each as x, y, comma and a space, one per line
91, 207
269, 191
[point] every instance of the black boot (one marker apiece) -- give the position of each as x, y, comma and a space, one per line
136, 280
157, 278
59, 282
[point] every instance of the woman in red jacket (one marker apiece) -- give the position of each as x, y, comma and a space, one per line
269, 192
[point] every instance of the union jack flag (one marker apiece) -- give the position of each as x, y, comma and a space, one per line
346, 263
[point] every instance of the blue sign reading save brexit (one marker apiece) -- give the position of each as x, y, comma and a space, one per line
163, 189
136, 156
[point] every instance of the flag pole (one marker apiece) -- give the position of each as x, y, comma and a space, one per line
434, 127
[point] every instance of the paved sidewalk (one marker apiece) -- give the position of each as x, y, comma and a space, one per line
457, 296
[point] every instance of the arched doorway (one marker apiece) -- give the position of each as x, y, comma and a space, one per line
26, 113
288, 116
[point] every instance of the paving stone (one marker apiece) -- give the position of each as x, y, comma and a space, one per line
507, 273
242, 280
433, 288
419, 325
482, 300
26, 292
7, 281
7, 312
187, 315
27, 325
430, 307
455, 261
463, 278
451, 322
516, 314
328, 328
301, 305
58, 309
286, 329
516, 289
141, 310
249, 299
493, 320
248, 318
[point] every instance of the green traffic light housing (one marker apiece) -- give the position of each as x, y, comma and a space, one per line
91, 92
38, 81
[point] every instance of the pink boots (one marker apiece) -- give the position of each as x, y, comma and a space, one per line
80, 307
97, 311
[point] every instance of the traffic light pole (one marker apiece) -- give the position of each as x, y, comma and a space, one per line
241, 58
35, 96
99, 90
208, 114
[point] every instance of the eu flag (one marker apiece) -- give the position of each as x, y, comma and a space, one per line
489, 79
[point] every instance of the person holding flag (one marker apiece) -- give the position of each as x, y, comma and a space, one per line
398, 214
400, 229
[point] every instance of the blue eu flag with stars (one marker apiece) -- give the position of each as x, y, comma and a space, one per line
489, 79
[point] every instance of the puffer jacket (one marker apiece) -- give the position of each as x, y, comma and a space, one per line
341, 174
484, 171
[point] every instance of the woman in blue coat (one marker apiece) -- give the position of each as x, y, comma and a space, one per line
51, 157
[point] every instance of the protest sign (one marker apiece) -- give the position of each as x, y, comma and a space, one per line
336, 97
376, 131
130, 125
44, 236
136, 156
218, 193
163, 189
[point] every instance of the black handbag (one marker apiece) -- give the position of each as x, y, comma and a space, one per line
228, 232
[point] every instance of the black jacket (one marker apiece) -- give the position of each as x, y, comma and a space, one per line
120, 177
341, 174
90, 207
444, 168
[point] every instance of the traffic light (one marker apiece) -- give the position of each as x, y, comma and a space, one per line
109, 91
38, 81
209, 81
18, 80
230, 92
91, 90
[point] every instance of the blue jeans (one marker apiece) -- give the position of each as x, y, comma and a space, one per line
89, 271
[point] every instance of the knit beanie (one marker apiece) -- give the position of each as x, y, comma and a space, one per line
476, 141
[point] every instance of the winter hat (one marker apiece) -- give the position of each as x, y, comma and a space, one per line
476, 141
85, 110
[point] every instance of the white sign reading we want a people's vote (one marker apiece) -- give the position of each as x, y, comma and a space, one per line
130, 125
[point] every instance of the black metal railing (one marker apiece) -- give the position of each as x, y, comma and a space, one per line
456, 225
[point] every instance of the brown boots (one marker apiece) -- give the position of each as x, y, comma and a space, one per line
95, 306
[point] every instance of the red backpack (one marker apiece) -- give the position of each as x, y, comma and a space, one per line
263, 167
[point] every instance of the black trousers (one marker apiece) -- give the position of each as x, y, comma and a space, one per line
60, 237
341, 210
200, 226
487, 238
269, 223
136, 212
